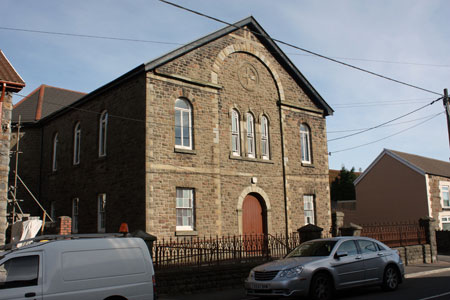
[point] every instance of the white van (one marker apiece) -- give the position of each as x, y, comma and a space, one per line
108, 268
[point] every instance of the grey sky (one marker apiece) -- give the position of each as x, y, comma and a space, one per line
411, 35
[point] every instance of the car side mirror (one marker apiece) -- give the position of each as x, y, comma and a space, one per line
340, 254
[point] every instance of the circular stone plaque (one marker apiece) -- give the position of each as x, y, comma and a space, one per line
248, 76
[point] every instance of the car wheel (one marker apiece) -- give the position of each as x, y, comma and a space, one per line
390, 279
321, 287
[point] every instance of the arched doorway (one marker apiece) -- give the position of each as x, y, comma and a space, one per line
254, 216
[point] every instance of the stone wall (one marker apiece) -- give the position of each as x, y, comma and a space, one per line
119, 174
212, 78
5, 131
434, 194
418, 254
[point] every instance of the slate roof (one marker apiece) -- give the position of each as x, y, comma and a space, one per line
251, 23
428, 165
42, 102
9, 75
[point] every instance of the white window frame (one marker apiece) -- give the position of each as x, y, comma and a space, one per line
75, 213
309, 209
445, 220
444, 188
305, 143
102, 133
265, 152
182, 112
250, 136
77, 144
55, 153
235, 133
182, 206
101, 213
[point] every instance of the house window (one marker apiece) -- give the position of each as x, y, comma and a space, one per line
101, 208
55, 153
76, 144
185, 209
183, 124
250, 136
445, 223
308, 209
445, 196
235, 133
53, 210
75, 203
264, 138
103, 126
305, 143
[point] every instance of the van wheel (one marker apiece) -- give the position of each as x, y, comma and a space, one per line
390, 279
321, 287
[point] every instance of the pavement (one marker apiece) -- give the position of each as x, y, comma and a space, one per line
417, 270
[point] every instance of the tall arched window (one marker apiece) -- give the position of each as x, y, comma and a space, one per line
183, 124
264, 138
235, 133
250, 136
305, 143
102, 130
76, 144
55, 153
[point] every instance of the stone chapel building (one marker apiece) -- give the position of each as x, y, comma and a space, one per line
221, 136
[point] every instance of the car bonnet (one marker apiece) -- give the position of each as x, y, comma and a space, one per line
287, 263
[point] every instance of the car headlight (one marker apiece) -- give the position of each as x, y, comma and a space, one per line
252, 274
291, 272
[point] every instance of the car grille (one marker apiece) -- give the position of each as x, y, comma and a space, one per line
265, 276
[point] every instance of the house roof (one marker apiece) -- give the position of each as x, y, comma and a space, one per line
42, 102
251, 23
9, 75
265, 39
420, 164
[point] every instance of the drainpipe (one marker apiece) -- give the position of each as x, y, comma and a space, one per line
284, 176
2, 99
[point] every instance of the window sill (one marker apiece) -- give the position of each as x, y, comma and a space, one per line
308, 165
186, 233
257, 160
446, 208
185, 151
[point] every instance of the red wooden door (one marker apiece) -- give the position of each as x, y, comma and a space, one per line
252, 215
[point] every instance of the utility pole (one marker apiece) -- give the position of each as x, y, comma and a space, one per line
447, 111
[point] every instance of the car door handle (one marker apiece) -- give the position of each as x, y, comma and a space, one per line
29, 295
358, 257
380, 254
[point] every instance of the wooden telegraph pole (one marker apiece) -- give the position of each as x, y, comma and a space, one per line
447, 112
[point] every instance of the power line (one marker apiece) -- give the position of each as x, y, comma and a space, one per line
379, 61
89, 36
397, 133
301, 49
387, 122
387, 125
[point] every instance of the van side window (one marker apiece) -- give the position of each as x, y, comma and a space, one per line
19, 272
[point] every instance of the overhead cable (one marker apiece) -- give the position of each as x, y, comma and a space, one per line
302, 49
387, 122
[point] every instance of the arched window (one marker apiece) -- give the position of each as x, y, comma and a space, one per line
264, 138
235, 133
305, 143
102, 130
183, 124
250, 136
55, 153
76, 143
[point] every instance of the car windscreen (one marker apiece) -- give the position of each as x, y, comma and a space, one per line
313, 248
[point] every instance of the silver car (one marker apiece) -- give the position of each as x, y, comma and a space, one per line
319, 267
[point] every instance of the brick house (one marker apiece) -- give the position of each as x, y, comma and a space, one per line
221, 136
399, 186
10, 82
